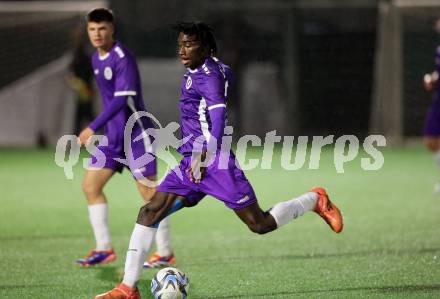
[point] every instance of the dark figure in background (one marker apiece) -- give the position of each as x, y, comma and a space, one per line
80, 79
431, 134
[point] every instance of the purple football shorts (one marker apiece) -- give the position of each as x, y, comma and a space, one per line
229, 185
107, 157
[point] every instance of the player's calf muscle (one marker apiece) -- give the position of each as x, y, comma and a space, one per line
257, 220
262, 227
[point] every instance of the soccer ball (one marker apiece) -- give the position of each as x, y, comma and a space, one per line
169, 283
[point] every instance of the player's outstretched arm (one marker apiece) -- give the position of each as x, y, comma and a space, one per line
85, 135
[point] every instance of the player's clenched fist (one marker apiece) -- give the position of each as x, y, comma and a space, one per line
85, 135
430, 80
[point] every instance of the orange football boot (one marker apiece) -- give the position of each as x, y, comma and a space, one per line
328, 210
121, 291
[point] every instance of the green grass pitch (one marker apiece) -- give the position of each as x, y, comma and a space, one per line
390, 247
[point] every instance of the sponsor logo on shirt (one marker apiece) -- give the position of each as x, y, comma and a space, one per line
108, 74
244, 199
188, 82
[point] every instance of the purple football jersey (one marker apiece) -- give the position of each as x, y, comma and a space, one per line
204, 95
202, 90
118, 80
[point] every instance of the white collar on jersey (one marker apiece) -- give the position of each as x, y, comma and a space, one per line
192, 71
200, 67
104, 57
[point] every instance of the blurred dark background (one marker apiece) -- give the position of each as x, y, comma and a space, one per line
303, 67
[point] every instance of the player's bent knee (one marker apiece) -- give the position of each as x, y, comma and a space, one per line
148, 193
143, 215
148, 215
91, 190
158, 208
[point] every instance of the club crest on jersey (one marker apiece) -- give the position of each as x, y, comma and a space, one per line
188, 82
96, 72
108, 74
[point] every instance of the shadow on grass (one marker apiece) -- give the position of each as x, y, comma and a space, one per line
379, 252
109, 273
384, 289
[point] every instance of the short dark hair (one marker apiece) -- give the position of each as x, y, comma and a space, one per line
100, 15
202, 31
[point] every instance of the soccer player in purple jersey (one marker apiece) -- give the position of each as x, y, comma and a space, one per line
118, 80
432, 125
203, 117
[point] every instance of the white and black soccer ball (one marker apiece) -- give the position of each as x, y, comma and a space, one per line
170, 283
